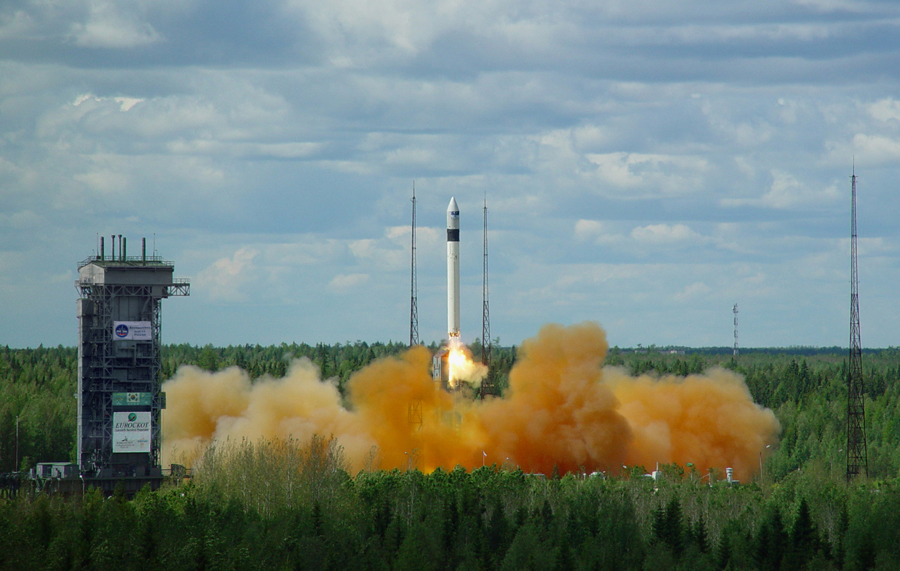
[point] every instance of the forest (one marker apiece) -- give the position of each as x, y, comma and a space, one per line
798, 512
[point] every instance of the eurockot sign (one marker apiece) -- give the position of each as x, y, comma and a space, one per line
131, 432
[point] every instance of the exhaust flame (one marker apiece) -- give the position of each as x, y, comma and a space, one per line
561, 410
462, 367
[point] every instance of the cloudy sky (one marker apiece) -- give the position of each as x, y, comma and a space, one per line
646, 164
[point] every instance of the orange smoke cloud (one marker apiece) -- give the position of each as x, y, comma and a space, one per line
204, 406
561, 410
557, 411
709, 420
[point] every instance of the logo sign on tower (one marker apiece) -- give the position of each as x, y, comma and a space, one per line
131, 432
132, 331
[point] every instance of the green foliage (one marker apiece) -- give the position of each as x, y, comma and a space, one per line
37, 386
485, 519
291, 505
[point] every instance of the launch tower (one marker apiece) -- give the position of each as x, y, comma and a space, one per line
119, 362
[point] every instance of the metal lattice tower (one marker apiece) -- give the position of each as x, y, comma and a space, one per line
857, 455
413, 285
735, 309
487, 385
414, 413
119, 362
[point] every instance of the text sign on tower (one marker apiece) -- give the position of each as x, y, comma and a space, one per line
131, 432
132, 331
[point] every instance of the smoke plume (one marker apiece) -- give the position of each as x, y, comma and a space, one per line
562, 411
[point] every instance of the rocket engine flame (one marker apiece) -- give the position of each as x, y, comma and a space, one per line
463, 369
561, 409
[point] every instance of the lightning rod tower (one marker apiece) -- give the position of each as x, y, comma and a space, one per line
487, 385
414, 413
857, 456
413, 285
735, 309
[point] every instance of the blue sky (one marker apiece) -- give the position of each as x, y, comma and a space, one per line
646, 164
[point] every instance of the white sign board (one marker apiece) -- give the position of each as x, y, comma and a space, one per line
131, 432
132, 331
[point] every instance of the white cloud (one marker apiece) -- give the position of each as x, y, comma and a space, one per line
665, 234
24, 220
835, 5
693, 291
654, 173
596, 232
126, 103
226, 278
345, 282
103, 181
876, 149
302, 251
787, 192
18, 25
588, 229
885, 109
113, 25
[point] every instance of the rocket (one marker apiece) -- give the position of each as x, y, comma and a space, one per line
453, 270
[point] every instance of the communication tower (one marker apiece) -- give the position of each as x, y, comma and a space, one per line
857, 455
119, 363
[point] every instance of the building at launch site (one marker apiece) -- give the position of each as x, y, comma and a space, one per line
119, 361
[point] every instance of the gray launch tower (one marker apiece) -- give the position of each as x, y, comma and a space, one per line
119, 362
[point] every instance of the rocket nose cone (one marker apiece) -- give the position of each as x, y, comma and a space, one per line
452, 207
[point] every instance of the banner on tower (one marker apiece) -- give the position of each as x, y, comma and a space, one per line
132, 331
131, 432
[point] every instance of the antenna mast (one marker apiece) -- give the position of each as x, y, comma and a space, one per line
857, 456
487, 385
413, 285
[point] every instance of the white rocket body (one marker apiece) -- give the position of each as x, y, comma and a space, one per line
453, 269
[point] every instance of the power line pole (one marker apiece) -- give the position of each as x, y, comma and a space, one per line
413, 285
857, 455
